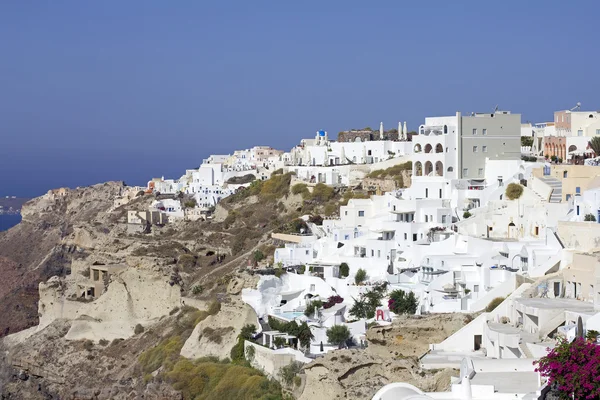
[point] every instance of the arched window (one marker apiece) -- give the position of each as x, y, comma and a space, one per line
445, 129
428, 148
439, 169
572, 148
418, 169
418, 148
450, 169
439, 148
428, 168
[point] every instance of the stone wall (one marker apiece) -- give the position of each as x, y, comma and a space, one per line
365, 136
387, 184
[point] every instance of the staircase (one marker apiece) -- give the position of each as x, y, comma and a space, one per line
556, 185
525, 350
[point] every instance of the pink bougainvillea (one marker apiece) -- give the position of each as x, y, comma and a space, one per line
574, 368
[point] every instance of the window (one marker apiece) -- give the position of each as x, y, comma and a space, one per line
426, 218
345, 212
475, 288
480, 172
372, 253
440, 193
426, 193
346, 237
474, 149
474, 131
443, 221
484, 131
312, 287
580, 133
597, 131
577, 190
378, 253
361, 213
484, 149
465, 172
405, 236
306, 252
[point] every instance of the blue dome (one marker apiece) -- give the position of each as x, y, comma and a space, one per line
321, 133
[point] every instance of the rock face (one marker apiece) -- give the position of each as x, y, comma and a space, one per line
133, 297
217, 334
36, 249
392, 356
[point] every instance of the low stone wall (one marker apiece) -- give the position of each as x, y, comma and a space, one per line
271, 361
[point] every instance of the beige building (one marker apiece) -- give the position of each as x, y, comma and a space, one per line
99, 279
574, 179
582, 278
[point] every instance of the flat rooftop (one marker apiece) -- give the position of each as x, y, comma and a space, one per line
508, 382
566, 304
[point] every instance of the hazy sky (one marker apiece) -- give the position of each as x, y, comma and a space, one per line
126, 90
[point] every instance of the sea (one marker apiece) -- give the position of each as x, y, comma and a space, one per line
7, 221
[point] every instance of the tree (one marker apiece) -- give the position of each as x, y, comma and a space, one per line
367, 303
572, 369
338, 334
304, 335
594, 144
289, 372
247, 331
310, 308
402, 303
258, 256
360, 277
279, 341
344, 270
526, 141
514, 191
589, 217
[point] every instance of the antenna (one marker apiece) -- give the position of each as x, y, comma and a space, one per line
577, 107
496, 109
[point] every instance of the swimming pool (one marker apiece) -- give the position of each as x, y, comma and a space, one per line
289, 315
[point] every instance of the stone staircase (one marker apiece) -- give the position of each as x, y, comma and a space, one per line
556, 185
525, 350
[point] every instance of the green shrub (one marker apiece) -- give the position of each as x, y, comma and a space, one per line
338, 335
258, 256
289, 372
278, 342
301, 269
197, 289
299, 188
360, 277
310, 308
590, 217
277, 172
344, 270
215, 335
190, 203
466, 214
322, 193
402, 303
514, 191
494, 303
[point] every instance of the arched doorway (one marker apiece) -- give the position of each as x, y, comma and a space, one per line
439, 169
439, 148
428, 148
418, 169
428, 168
417, 148
512, 231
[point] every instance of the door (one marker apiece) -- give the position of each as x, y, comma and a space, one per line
556, 289
477, 342
537, 231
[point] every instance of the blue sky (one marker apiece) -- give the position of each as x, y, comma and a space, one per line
128, 90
